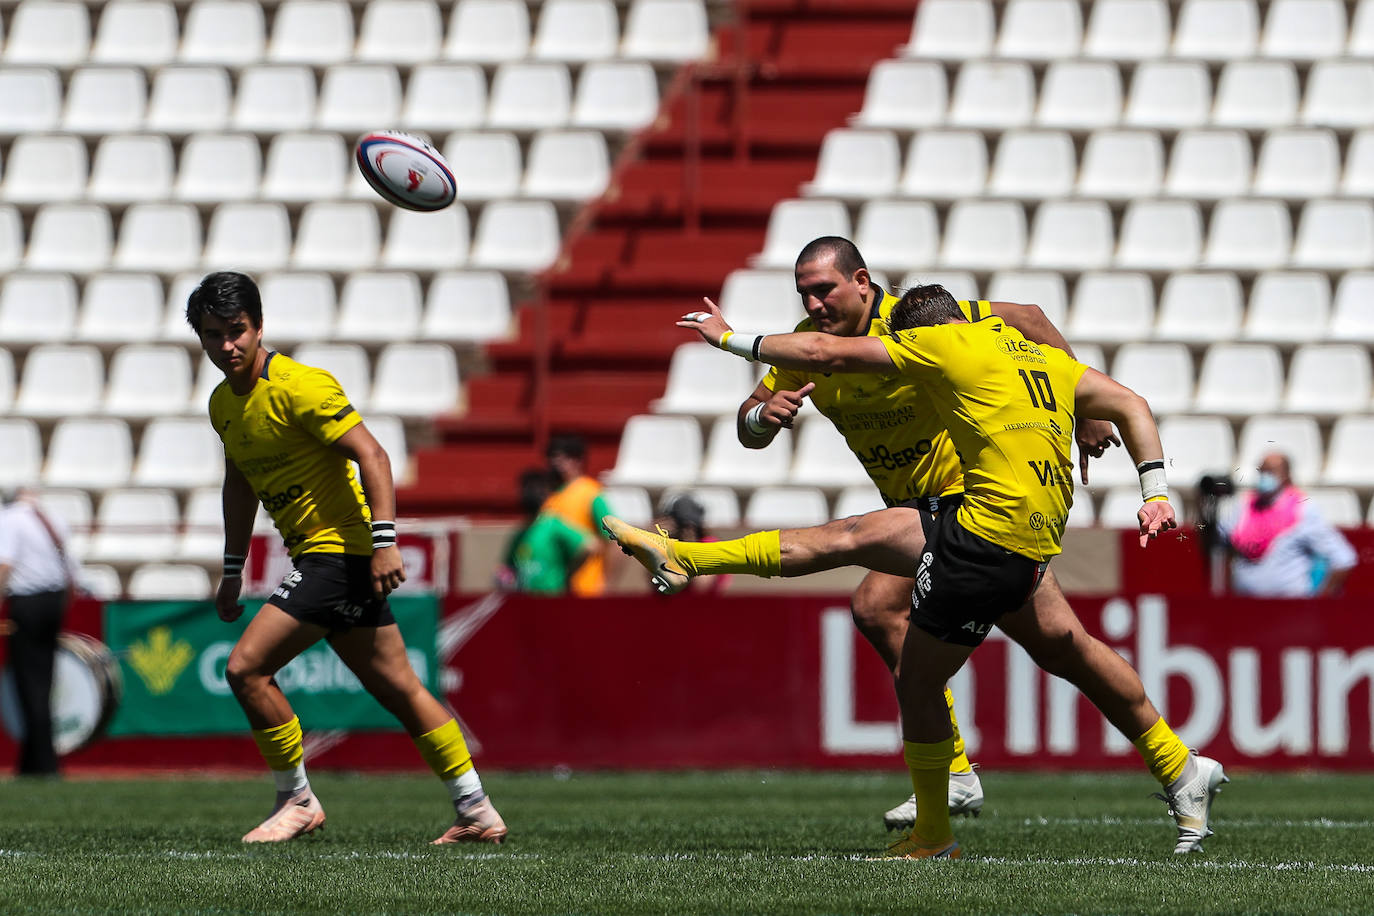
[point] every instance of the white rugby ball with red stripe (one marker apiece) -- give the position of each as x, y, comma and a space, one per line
405, 170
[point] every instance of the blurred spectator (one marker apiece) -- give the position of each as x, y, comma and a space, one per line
577, 500
1280, 545
547, 551
684, 517
38, 574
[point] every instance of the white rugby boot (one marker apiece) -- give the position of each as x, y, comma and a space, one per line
965, 799
1190, 800
298, 815
477, 824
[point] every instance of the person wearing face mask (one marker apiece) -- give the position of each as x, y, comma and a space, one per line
1281, 546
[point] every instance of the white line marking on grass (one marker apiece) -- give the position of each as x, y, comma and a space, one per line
1324, 823
1232, 865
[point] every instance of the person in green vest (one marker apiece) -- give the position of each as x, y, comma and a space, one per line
544, 555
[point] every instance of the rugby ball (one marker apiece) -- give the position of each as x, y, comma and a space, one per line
405, 170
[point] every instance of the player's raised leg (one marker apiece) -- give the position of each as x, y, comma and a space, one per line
271, 640
377, 655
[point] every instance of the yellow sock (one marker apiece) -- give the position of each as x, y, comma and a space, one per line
445, 750
929, 766
1165, 754
961, 763
281, 745
757, 554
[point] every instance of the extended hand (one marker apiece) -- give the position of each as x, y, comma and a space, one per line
782, 408
227, 599
709, 322
1155, 518
388, 571
1094, 437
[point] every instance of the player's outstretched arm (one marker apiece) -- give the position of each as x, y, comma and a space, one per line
374, 468
240, 505
1102, 397
799, 350
765, 412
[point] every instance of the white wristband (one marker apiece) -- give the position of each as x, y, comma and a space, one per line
742, 345
753, 420
1153, 484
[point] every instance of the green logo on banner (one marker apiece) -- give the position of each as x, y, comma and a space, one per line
173, 655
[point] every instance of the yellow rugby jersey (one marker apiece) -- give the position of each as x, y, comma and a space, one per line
888, 422
279, 435
1008, 405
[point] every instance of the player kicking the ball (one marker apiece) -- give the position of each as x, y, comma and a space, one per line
1009, 407
289, 434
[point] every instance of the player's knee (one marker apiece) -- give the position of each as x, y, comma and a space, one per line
241, 676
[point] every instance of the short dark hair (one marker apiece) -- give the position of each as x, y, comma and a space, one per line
568, 446
224, 294
846, 253
922, 306
535, 486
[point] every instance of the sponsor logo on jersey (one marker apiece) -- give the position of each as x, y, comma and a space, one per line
890, 459
1020, 349
1051, 475
275, 502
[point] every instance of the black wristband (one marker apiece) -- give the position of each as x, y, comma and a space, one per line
233, 565
383, 535
758, 342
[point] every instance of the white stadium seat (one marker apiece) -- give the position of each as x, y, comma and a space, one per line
1340, 93
472, 306
44, 168
7, 381
730, 464
1169, 95
218, 167
1240, 379
1328, 380
615, 96
1080, 95
1256, 95
1040, 29
21, 452
1194, 446
159, 237
945, 164
1288, 307
858, 500
1071, 235
427, 241
316, 32
11, 238
516, 236
993, 95
1362, 30
905, 95
306, 166
529, 96
576, 30
77, 238
390, 433
187, 100
74, 508
1044, 288
148, 380
1217, 29
37, 308
401, 32
1297, 437
94, 453
53, 32
358, 97
1160, 235
761, 300
229, 32
1209, 164
487, 165
181, 452
1120, 506
1304, 29
1248, 235
721, 504
1352, 313
823, 459
856, 165
702, 382
1335, 235
30, 100
569, 165
961, 284
139, 32
793, 223
897, 235
1298, 164
274, 98
416, 380
656, 451
785, 507
337, 236
1358, 177
1162, 373
488, 31
666, 31
1128, 30
984, 235
1122, 165
952, 30
379, 307
631, 504
134, 525
121, 308
347, 363
1111, 307
443, 97
298, 307
169, 582
1032, 164
101, 581
1338, 505
105, 100
248, 236
1347, 458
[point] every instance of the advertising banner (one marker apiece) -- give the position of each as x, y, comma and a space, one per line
173, 655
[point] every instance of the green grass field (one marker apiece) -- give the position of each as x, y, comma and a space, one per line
741, 842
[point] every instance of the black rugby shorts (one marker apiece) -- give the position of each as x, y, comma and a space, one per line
334, 591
